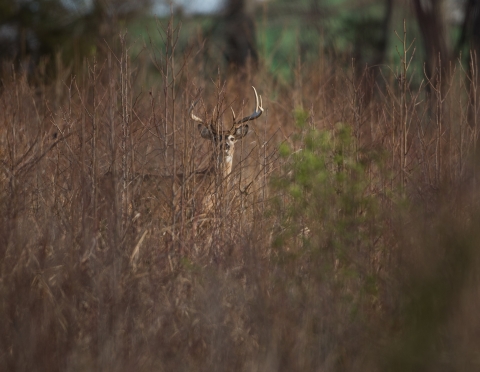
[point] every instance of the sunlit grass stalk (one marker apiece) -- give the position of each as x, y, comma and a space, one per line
125, 93
406, 60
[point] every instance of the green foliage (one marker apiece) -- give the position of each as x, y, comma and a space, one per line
324, 210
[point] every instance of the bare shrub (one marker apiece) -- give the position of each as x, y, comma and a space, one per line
346, 242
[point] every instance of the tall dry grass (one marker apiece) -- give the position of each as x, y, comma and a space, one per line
348, 240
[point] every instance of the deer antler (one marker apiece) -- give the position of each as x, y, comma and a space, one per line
236, 123
197, 119
192, 115
256, 113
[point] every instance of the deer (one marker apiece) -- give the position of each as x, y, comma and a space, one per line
216, 176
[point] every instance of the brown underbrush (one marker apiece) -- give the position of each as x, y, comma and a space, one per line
346, 240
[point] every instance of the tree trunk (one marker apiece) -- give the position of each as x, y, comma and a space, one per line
431, 22
240, 36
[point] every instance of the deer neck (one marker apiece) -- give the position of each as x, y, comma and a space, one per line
222, 164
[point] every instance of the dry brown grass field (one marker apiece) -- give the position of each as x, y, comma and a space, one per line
345, 239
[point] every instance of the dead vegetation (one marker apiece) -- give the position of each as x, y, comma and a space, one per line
347, 242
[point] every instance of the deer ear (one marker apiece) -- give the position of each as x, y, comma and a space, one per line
241, 131
205, 132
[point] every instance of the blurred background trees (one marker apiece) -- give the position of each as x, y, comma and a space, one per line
236, 31
240, 34
32, 29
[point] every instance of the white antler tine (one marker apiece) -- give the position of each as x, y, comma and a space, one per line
192, 115
256, 113
256, 98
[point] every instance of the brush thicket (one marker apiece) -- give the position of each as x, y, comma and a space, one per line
346, 242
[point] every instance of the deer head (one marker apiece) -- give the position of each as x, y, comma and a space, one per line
224, 140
